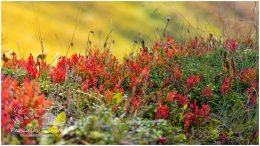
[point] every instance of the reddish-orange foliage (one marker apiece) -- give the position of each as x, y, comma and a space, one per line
231, 45
100, 72
193, 81
207, 92
248, 75
19, 101
162, 112
226, 86
252, 92
198, 115
32, 67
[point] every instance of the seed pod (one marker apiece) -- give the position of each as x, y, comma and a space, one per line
234, 69
227, 66
4, 58
13, 54
143, 45
225, 56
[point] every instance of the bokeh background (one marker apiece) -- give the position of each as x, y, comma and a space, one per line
130, 21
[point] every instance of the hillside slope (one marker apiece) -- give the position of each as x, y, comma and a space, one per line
129, 20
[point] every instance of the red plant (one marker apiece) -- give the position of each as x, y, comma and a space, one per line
252, 92
205, 111
166, 83
248, 75
59, 73
136, 103
138, 77
195, 108
31, 67
177, 73
170, 41
193, 81
183, 100
13, 61
162, 112
86, 85
18, 101
197, 115
226, 86
75, 59
188, 120
207, 92
163, 140
171, 96
156, 46
231, 45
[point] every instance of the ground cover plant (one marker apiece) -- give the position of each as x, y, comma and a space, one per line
192, 78
198, 91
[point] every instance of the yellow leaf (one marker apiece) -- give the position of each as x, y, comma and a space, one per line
117, 98
60, 119
185, 106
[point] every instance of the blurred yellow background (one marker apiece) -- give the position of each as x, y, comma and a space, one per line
129, 20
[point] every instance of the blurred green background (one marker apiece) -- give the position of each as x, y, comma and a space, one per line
21, 22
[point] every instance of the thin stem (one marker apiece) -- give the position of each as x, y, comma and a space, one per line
105, 44
72, 38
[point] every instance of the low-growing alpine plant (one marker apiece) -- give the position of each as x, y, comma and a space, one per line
191, 92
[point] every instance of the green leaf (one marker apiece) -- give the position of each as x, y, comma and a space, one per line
181, 117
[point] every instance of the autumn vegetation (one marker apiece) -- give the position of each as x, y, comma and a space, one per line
198, 91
